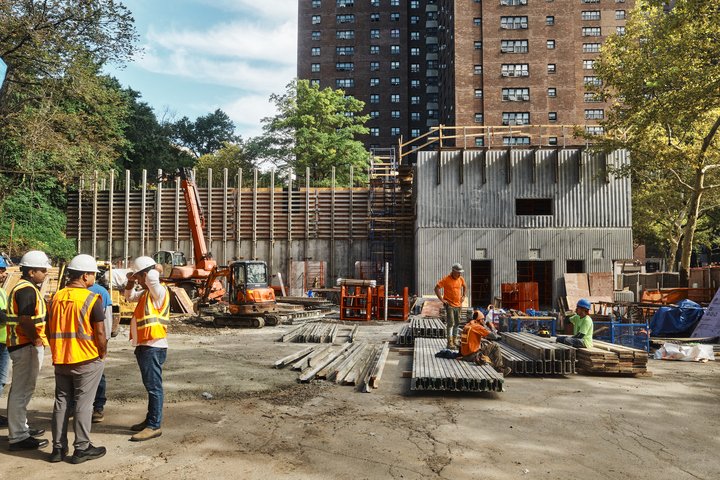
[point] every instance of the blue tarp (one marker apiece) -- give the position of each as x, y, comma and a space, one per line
676, 320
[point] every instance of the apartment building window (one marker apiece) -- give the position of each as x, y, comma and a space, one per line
414, 83
477, 70
374, 3
374, 33
515, 70
414, 35
314, 67
551, 68
345, 34
374, 50
415, 100
395, 33
394, 17
345, 50
315, 82
394, 65
414, 3
552, 140
516, 94
375, 17
415, 132
374, 66
374, 132
395, 49
349, 18
590, 15
374, 98
477, 44
394, 131
592, 80
315, 35
591, 97
316, 4
478, 118
395, 98
344, 82
514, 23
516, 118
432, 64
414, 19
591, 47
594, 130
513, 46
549, 20
588, 64
510, 141
315, 51
395, 81
395, 114
591, 31
344, 66
374, 114
345, 3
415, 68
374, 82
620, 15
477, 21
415, 116
478, 93
479, 142
394, 3
550, 44
552, 92
620, 30
511, 3
594, 114
315, 19
552, 116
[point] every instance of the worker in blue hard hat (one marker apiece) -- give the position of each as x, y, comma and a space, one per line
4, 355
582, 327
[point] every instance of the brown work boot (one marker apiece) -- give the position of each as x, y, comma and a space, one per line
138, 427
457, 342
451, 343
146, 434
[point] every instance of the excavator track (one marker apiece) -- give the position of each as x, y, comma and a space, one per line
269, 319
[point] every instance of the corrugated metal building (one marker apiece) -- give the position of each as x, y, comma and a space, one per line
515, 215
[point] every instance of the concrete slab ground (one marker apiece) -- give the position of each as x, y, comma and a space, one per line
262, 424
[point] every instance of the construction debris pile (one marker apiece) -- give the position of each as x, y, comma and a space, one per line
532, 355
358, 364
609, 358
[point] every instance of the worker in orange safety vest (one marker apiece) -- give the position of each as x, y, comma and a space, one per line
476, 345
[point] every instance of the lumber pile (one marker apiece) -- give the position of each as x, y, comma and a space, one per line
311, 332
357, 364
180, 301
608, 358
549, 358
432, 373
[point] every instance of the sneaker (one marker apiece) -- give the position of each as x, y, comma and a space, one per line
97, 416
90, 453
36, 432
58, 455
29, 443
146, 434
138, 427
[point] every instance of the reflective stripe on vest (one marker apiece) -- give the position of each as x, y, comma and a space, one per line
15, 335
69, 328
149, 319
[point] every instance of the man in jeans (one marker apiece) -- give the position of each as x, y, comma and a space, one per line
148, 333
451, 291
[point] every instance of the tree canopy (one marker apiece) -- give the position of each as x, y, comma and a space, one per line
663, 77
315, 129
205, 135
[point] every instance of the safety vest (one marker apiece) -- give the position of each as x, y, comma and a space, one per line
470, 338
151, 321
15, 334
69, 329
3, 307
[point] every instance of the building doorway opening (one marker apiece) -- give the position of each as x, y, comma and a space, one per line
481, 283
575, 266
540, 271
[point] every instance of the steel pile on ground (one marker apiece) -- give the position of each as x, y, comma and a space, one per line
427, 327
432, 373
405, 336
556, 358
520, 362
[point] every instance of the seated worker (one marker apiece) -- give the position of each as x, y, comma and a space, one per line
582, 327
474, 347
492, 317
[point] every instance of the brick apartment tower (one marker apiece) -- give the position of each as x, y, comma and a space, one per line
421, 63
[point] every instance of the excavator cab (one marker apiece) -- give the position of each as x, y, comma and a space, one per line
169, 260
249, 290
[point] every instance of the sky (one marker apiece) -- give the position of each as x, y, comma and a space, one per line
200, 55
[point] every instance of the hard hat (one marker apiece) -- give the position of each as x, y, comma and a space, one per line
2, 263
457, 268
143, 263
35, 259
478, 315
584, 303
83, 263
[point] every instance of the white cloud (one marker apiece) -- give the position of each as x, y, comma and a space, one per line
267, 8
247, 111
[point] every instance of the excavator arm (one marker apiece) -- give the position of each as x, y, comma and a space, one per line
196, 221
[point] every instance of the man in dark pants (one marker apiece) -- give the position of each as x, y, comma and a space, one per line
582, 327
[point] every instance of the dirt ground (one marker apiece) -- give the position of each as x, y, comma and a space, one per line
261, 424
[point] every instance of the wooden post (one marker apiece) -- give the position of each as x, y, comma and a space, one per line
332, 222
289, 224
158, 212
271, 253
307, 213
143, 196
126, 239
80, 189
253, 254
225, 216
94, 214
208, 216
111, 201
177, 214
349, 272
238, 217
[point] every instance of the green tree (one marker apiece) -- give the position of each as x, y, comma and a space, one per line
315, 128
231, 156
663, 78
207, 134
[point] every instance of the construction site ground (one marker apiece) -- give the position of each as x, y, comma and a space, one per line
229, 414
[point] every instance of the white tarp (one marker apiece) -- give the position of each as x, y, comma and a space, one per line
685, 353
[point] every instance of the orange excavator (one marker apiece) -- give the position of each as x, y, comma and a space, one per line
175, 269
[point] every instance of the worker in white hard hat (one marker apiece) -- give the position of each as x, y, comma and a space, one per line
76, 331
148, 334
26, 341
4, 356
451, 291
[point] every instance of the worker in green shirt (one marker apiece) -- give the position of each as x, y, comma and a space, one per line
582, 327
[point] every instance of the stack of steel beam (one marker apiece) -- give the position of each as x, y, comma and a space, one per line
432, 373
427, 327
405, 336
520, 362
555, 358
